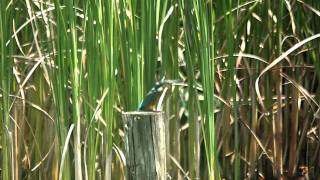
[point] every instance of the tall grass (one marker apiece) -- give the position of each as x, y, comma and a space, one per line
250, 109
6, 89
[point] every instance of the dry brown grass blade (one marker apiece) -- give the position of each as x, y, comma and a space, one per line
257, 139
276, 61
179, 166
308, 97
293, 131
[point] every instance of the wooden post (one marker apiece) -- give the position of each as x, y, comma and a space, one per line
145, 145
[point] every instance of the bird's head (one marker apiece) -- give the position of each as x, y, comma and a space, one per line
155, 97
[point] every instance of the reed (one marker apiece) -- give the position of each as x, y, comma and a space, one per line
248, 107
6, 88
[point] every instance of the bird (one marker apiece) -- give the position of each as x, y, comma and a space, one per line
155, 97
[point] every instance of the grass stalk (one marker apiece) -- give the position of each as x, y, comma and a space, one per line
6, 81
250, 108
60, 88
205, 16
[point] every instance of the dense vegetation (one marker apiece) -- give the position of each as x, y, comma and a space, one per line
68, 68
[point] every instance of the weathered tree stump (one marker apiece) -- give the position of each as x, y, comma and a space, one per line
145, 145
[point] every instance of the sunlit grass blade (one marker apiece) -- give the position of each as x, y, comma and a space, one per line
60, 88
6, 82
246, 105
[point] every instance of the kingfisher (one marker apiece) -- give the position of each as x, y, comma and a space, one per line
155, 97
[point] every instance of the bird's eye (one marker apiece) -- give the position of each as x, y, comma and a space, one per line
160, 89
